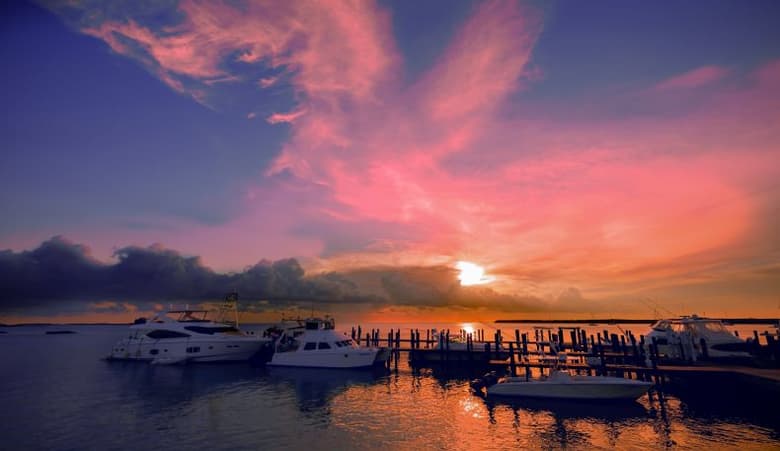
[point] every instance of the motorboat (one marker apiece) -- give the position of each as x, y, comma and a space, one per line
559, 384
188, 335
314, 343
681, 338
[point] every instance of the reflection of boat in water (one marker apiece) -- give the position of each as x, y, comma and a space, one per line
315, 387
682, 337
562, 385
180, 336
314, 342
567, 409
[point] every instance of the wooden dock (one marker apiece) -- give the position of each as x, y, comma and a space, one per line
601, 354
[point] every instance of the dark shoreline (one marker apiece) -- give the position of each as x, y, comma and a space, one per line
629, 321
499, 321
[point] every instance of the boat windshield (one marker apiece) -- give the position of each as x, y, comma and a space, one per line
714, 327
662, 325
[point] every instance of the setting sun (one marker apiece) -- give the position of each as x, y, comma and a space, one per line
471, 274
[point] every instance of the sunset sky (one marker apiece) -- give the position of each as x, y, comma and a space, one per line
611, 158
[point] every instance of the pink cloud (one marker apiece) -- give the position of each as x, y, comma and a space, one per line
332, 48
695, 78
277, 118
545, 201
267, 82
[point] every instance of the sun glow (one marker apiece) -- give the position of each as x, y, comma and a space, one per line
471, 274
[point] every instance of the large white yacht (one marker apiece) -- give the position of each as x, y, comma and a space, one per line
681, 338
180, 336
314, 342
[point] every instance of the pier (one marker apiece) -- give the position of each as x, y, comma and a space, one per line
603, 353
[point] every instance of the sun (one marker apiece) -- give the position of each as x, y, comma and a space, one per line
471, 274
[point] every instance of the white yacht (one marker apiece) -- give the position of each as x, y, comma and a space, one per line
181, 336
562, 385
314, 342
681, 338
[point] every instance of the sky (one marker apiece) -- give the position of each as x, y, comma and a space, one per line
612, 158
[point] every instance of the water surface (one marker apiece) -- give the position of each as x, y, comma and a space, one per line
57, 393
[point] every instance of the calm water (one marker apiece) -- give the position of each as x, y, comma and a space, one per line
58, 394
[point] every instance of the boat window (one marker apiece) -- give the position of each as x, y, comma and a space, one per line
158, 334
716, 327
323, 345
154, 351
211, 330
309, 346
193, 349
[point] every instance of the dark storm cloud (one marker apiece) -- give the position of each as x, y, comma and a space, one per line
61, 272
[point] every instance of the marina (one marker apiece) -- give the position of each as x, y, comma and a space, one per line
239, 405
454, 224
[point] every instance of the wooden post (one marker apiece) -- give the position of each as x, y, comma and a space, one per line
560, 338
427, 338
654, 359
756, 343
353, 332
525, 344
573, 334
623, 348
512, 368
603, 360
634, 350
527, 371
584, 340
774, 347
517, 339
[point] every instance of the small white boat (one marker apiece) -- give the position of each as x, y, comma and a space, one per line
681, 338
314, 343
562, 385
181, 336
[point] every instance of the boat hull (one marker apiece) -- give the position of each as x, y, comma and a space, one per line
223, 349
352, 358
606, 388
